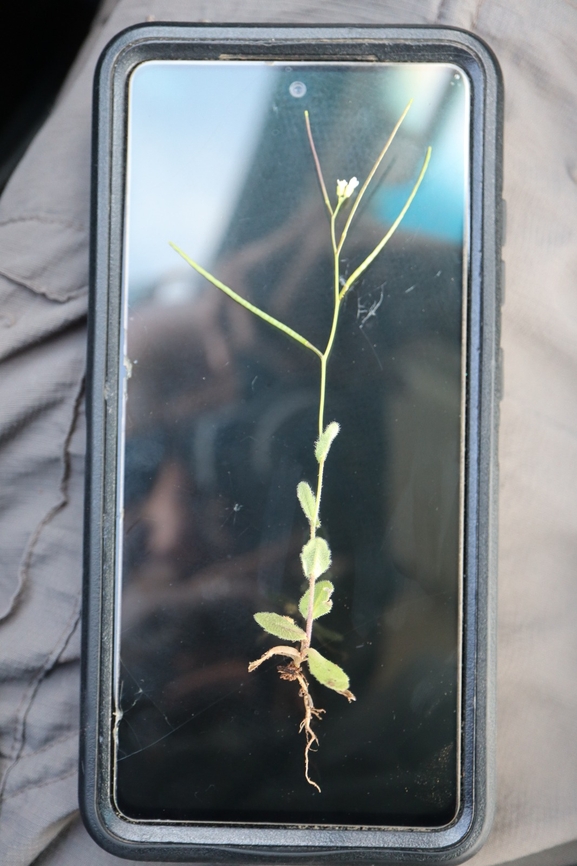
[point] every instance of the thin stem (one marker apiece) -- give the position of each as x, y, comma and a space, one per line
323, 387
317, 164
372, 256
333, 224
322, 396
246, 304
336, 308
371, 174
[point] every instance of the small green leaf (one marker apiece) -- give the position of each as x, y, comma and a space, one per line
281, 626
307, 501
325, 441
322, 599
315, 557
327, 672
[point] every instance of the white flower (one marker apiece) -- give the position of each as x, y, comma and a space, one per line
351, 187
341, 188
345, 188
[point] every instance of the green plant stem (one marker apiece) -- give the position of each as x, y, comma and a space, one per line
247, 304
371, 175
326, 199
372, 256
322, 397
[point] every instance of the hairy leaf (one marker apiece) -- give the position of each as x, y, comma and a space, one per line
315, 558
325, 441
307, 501
322, 602
280, 626
326, 672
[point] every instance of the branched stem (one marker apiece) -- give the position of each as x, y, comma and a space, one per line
246, 304
371, 175
326, 198
372, 256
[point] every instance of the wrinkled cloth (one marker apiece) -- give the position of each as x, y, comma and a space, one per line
44, 223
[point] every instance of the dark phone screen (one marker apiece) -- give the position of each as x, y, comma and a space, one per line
219, 420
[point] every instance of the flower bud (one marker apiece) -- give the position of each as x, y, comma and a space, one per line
341, 188
345, 188
351, 187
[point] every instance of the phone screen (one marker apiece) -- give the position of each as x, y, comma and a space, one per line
220, 416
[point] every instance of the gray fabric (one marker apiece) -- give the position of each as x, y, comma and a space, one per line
43, 276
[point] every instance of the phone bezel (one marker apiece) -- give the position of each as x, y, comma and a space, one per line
244, 843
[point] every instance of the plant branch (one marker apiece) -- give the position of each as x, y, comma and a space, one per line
372, 256
371, 174
246, 304
317, 164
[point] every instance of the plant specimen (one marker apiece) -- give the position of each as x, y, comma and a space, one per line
316, 555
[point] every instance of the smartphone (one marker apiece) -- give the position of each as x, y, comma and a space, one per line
293, 401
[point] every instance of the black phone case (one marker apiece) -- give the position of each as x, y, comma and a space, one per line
254, 844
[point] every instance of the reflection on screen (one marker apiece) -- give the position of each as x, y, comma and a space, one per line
220, 421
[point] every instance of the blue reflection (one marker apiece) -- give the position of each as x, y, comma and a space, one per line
438, 209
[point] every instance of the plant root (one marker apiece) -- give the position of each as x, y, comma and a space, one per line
293, 672
275, 651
